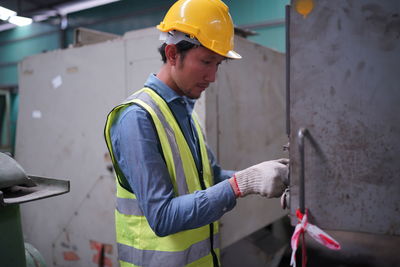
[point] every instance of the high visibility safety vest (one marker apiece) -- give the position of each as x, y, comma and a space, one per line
137, 243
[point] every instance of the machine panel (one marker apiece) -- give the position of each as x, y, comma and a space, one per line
344, 89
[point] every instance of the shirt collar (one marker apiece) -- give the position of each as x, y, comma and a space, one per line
167, 93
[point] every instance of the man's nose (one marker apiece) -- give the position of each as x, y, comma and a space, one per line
211, 75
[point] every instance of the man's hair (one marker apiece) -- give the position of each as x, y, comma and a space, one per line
183, 47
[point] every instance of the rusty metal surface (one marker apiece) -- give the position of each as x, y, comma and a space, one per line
344, 88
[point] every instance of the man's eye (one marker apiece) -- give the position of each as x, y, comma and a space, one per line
206, 62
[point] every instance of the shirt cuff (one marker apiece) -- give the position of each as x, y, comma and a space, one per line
235, 186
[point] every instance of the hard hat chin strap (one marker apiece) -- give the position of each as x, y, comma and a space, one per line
174, 37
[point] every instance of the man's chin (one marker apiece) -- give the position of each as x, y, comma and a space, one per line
195, 97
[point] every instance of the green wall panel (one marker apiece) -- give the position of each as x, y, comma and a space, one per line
8, 75
13, 118
15, 51
272, 37
252, 11
26, 31
260, 11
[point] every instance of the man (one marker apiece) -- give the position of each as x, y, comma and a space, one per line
170, 190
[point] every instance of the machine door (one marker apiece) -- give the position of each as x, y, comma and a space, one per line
344, 59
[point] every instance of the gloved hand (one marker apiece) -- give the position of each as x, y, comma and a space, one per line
269, 178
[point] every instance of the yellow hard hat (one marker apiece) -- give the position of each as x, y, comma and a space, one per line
208, 21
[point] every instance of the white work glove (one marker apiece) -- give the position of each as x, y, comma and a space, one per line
269, 178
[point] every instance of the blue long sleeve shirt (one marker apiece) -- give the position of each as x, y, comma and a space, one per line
137, 150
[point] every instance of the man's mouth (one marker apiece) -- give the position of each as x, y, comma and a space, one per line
203, 85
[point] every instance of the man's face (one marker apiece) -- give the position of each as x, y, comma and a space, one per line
196, 71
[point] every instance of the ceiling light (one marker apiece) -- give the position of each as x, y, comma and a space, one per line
6, 13
20, 21
71, 8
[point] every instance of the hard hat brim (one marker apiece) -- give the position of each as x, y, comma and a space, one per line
233, 55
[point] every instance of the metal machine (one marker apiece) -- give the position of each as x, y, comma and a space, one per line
15, 188
343, 61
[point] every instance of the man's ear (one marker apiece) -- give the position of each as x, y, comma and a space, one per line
171, 53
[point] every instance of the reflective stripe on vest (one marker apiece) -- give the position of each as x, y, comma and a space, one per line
166, 258
137, 243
